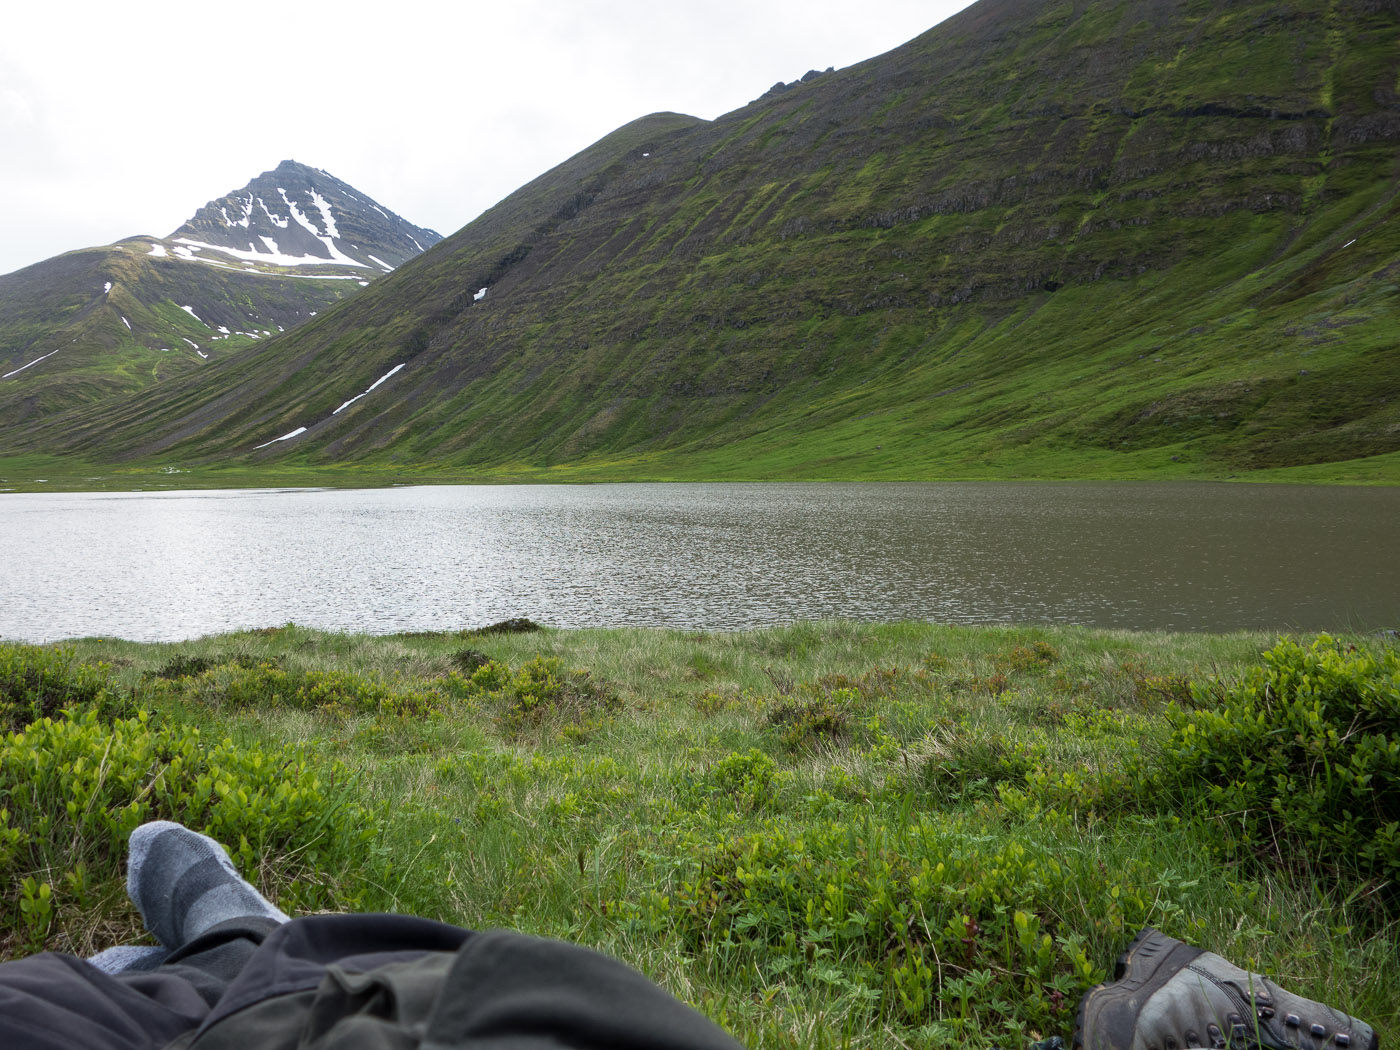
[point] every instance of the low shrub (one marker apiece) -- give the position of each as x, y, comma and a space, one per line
1038, 656
468, 660
188, 665
514, 625
1299, 760
72, 788
543, 691
38, 682
182, 665
919, 921
807, 725
334, 692
965, 764
745, 778
711, 702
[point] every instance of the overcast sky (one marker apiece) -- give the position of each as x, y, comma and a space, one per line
123, 118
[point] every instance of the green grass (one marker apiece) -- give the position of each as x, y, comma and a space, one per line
830, 834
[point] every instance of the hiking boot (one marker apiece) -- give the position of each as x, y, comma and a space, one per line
1167, 995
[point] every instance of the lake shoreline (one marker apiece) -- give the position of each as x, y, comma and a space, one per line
38, 473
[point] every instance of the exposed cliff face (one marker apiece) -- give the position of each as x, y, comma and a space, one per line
106, 321
1153, 229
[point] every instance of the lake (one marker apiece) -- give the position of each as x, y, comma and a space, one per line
1183, 556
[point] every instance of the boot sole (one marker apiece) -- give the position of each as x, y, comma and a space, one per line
1149, 962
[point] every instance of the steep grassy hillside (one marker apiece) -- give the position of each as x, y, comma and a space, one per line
1056, 239
102, 322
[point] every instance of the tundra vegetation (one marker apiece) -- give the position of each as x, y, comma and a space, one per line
822, 835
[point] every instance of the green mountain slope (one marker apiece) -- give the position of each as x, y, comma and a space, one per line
105, 321
1152, 236
102, 322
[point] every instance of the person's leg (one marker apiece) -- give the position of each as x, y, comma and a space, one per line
207, 917
184, 884
121, 958
209, 922
58, 1002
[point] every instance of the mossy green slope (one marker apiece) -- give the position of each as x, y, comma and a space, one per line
103, 322
1050, 239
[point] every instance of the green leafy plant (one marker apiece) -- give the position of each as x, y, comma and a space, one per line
806, 725
541, 691
38, 682
75, 786
1299, 759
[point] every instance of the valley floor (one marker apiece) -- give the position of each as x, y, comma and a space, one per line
41, 473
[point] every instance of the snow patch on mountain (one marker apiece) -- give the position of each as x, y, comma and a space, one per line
357, 397
324, 206
274, 257
284, 437
281, 221
31, 364
328, 239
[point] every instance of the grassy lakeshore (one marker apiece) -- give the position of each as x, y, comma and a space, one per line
48, 473
827, 834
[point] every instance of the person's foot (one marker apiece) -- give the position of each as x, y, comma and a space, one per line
1167, 995
183, 883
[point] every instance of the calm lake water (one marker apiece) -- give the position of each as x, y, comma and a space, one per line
175, 565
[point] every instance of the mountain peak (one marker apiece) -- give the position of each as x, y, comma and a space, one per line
248, 265
298, 216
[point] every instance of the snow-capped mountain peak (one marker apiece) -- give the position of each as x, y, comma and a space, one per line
298, 216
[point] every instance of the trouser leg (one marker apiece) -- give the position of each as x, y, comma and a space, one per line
211, 961
57, 1002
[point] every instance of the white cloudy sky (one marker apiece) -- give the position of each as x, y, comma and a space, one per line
122, 118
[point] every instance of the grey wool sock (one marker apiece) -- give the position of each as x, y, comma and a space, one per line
183, 883
127, 957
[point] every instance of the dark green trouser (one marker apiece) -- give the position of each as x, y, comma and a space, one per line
351, 982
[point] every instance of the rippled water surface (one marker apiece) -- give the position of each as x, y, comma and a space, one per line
167, 566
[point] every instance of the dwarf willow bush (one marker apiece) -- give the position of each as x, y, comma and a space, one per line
538, 695
73, 788
75, 784
330, 691
907, 917
1299, 758
36, 682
